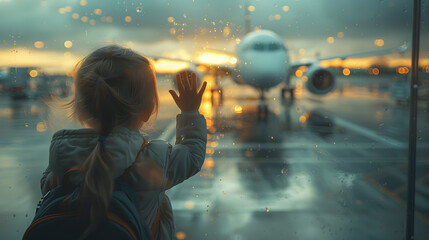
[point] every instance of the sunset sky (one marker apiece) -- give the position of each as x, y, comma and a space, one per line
54, 33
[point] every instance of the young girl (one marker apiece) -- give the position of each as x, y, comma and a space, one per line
115, 94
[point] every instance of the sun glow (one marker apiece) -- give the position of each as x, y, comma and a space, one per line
170, 66
216, 58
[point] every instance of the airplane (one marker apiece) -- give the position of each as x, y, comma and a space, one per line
262, 62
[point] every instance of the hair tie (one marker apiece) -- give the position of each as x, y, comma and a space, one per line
102, 140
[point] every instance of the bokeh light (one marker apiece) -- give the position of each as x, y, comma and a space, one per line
75, 15
39, 44
180, 235
68, 44
33, 73
379, 42
98, 11
346, 72
128, 19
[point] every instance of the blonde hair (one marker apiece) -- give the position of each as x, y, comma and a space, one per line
114, 86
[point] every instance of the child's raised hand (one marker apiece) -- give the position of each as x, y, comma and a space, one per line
189, 99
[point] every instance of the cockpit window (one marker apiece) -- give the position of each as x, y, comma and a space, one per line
273, 46
259, 47
266, 46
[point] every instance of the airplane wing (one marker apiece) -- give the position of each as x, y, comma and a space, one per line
308, 62
208, 59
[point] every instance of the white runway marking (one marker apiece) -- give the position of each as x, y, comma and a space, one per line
368, 133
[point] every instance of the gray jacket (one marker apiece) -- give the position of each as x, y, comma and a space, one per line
159, 166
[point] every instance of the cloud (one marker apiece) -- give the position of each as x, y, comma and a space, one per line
197, 24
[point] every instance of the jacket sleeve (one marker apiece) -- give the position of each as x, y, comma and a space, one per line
187, 156
161, 165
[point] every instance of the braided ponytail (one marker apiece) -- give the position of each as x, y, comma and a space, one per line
114, 86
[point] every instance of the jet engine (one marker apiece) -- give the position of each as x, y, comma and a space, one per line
320, 80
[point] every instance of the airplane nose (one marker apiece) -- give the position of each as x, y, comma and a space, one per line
264, 73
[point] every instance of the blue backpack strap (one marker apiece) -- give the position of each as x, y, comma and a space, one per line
126, 205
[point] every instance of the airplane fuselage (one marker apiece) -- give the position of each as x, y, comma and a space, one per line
262, 60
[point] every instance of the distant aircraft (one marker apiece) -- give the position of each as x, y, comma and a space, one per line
263, 63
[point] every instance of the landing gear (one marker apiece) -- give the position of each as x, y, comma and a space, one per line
218, 91
262, 107
285, 90
262, 111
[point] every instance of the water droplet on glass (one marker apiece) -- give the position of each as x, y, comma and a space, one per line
139, 9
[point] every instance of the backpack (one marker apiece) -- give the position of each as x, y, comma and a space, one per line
54, 220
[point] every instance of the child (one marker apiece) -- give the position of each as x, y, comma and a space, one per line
115, 94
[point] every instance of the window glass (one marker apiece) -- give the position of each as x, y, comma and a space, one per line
308, 143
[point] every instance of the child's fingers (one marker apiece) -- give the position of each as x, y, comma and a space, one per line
185, 81
179, 84
202, 89
183, 77
174, 95
193, 82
